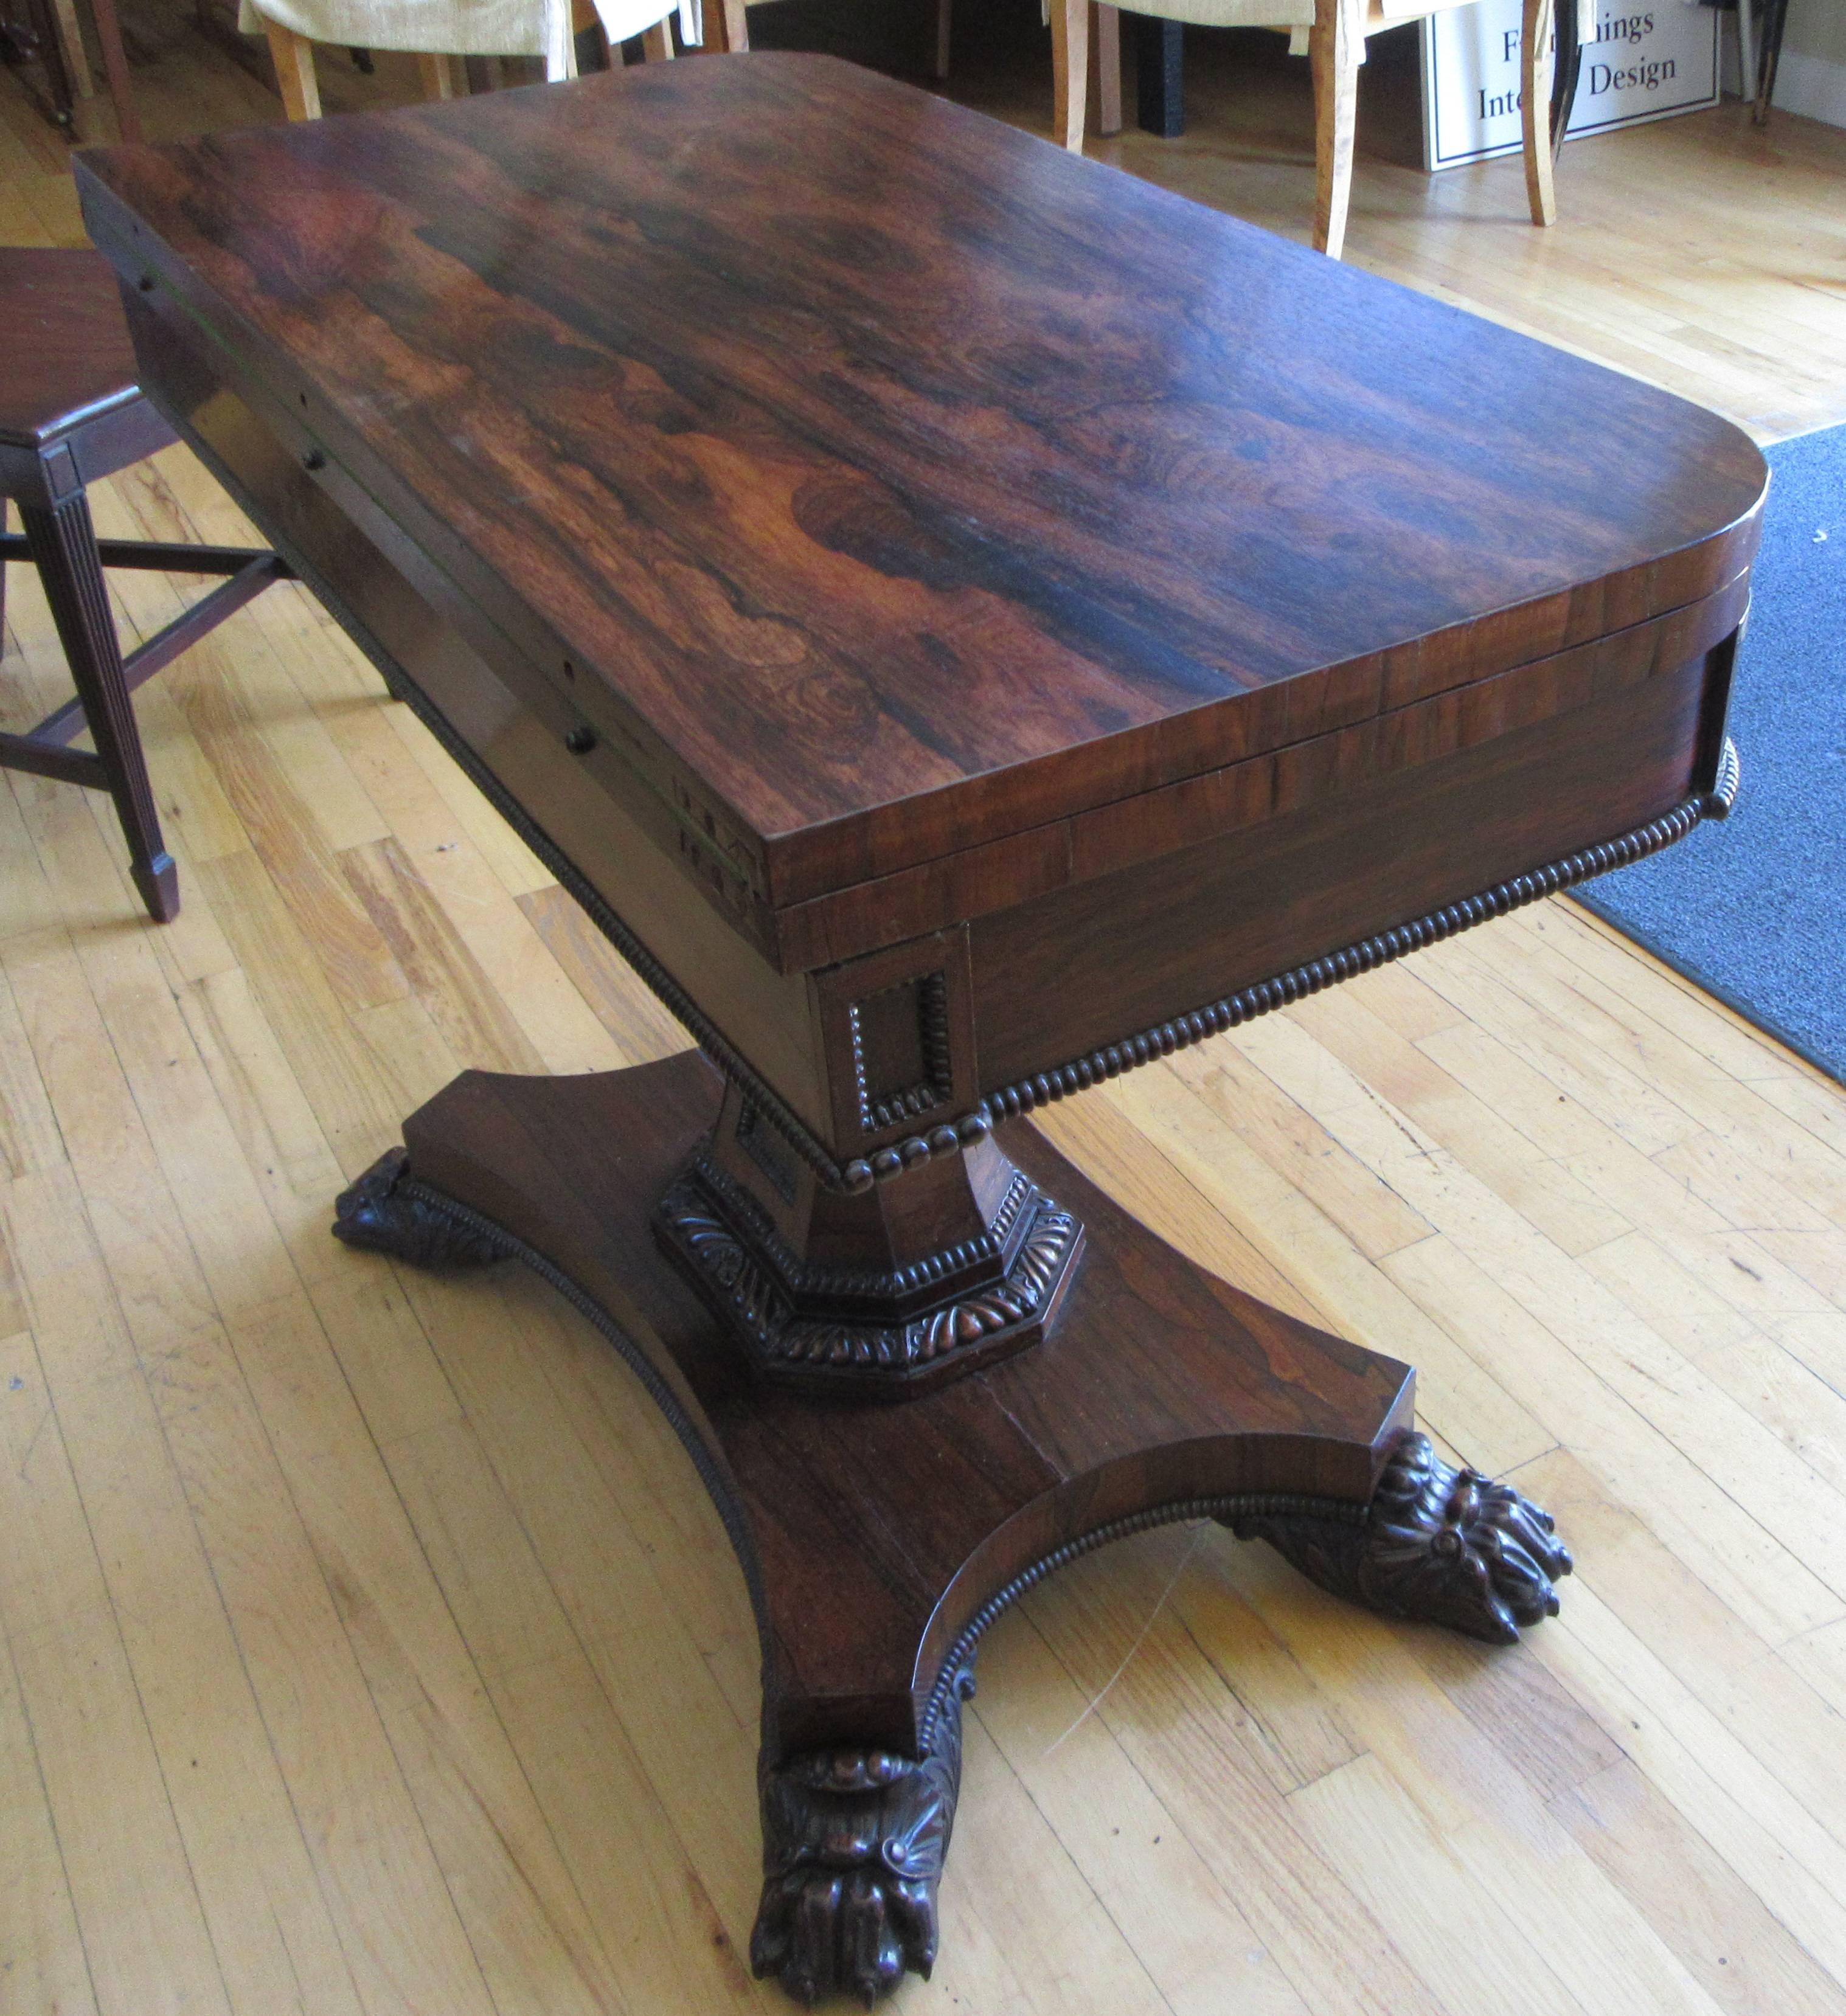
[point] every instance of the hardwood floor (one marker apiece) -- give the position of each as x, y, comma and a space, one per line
370, 1646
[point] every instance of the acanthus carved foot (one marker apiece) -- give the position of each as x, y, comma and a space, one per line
1438, 1546
854, 1842
381, 1214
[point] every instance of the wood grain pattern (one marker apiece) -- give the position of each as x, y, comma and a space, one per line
1056, 977
1318, 771
70, 359
1062, 528
1193, 1390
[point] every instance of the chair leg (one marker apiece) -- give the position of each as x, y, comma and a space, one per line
1746, 51
1768, 56
294, 57
70, 34
64, 544
1535, 74
656, 42
1336, 48
1566, 69
437, 74
1105, 67
726, 30
1070, 70
1160, 76
115, 69
944, 16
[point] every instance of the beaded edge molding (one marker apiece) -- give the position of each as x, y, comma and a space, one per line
1042, 1088
1045, 1087
959, 1658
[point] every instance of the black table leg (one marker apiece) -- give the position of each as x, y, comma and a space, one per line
1768, 55
1567, 66
1159, 99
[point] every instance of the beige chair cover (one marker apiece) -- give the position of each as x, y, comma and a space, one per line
465, 27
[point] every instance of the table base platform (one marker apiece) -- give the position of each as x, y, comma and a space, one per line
879, 1541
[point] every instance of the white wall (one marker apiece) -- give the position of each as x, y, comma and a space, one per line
1811, 78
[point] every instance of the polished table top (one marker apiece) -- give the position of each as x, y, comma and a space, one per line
897, 481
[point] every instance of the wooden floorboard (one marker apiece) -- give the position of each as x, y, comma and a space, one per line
369, 1646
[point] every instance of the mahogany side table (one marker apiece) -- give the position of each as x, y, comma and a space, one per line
965, 624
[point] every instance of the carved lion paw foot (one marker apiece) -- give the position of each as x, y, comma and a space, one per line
1438, 1546
853, 1846
378, 1213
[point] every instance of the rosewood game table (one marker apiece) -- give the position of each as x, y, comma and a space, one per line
965, 624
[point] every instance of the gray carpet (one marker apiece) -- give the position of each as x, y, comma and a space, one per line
1754, 909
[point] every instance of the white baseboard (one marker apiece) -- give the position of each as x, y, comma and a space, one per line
1813, 86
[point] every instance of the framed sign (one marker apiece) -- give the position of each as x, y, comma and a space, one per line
1649, 63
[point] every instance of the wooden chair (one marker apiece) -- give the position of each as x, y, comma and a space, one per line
71, 412
1336, 30
292, 56
442, 75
